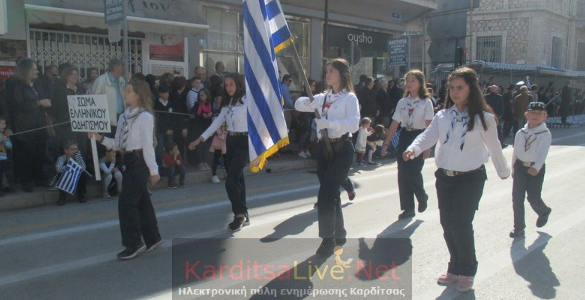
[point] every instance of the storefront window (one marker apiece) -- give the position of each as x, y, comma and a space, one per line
225, 43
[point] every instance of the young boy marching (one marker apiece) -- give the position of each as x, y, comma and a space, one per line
530, 149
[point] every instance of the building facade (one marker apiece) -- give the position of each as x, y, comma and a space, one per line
545, 33
178, 35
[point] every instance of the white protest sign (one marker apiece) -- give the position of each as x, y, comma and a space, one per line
89, 113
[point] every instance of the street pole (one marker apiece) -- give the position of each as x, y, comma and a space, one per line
325, 39
408, 57
126, 46
470, 31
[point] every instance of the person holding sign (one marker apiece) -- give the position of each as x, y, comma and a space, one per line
234, 112
135, 138
340, 115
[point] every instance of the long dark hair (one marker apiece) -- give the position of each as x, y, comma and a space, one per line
226, 99
476, 105
342, 66
206, 93
422, 90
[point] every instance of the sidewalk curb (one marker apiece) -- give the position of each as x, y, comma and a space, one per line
42, 196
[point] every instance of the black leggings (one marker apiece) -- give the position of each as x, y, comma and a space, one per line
217, 155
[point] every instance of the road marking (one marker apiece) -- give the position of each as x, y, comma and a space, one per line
265, 219
495, 263
225, 203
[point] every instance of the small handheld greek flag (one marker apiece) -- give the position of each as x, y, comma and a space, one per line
395, 139
70, 177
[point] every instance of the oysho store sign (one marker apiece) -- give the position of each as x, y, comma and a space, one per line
360, 39
367, 40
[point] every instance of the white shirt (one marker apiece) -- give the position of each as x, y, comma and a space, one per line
362, 139
139, 137
235, 117
191, 98
478, 145
531, 145
413, 113
343, 113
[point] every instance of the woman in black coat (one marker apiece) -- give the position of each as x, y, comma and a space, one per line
68, 85
28, 112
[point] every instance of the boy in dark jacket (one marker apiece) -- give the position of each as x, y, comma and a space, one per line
165, 121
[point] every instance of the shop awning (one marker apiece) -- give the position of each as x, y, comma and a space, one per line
40, 14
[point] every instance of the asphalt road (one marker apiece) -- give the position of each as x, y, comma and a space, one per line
70, 252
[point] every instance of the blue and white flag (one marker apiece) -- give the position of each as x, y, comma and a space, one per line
265, 33
396, 139
70, 177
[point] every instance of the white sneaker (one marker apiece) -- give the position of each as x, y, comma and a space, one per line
201, 167
308, 154
207, 167
215, 179
302, 154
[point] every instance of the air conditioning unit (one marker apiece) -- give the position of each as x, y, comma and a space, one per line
3, 18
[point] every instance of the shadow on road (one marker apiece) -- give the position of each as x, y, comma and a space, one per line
294, 225
534, 266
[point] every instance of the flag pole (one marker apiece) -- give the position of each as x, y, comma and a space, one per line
324, 133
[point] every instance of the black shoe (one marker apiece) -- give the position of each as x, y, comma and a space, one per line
517, 233
351, 195
239, 222
340, 241
9, 189
407, 214
61, 201
130, 253
153, 246
82, 199
316, 205
422, 205
326, 248
504, 146
542, 220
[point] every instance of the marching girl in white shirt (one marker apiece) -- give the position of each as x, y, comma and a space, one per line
414, 113
234, 112
134, 136
340, 115
466, 136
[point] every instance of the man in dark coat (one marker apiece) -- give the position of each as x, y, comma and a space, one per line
496, 102
566, 100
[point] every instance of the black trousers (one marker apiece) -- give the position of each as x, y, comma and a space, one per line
526, 184
236, 158
458, 200
6, 169
28, 157
347, 185
81, 188
136, 213
410, 179
332, 172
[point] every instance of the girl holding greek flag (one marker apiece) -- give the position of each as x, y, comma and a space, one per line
466, 136
135, 138
340, 116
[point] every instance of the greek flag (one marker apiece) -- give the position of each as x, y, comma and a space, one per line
265, 33
395, 139
70, 177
